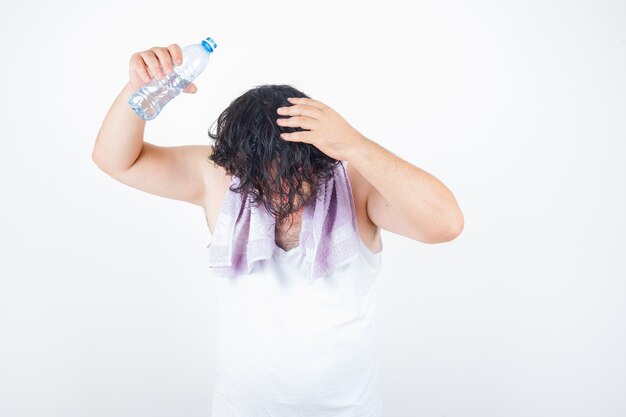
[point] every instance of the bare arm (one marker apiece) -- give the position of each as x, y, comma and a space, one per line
405, 199
401, 197
120, 138
176, 172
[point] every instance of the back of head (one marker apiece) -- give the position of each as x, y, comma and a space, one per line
282, 175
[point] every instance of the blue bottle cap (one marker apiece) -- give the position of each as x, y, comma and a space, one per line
209, 44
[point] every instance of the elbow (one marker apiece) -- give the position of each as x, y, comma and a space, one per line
106, 164
454, 220
95, 154
447, 232
101, 163
95, 158
455, 227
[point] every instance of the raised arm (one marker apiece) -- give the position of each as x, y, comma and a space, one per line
176, 172
401, 197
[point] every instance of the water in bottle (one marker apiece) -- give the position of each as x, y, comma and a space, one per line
149, 99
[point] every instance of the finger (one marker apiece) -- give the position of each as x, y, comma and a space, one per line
165, 59
152, 62
191, 88
302, 136
298, 121
300, 110
305, 100
139, 66
177, 53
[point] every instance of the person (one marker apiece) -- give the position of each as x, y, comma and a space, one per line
285, 348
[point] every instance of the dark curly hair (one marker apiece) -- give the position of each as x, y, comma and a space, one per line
271, 170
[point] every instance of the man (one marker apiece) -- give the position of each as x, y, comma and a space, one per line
282, 344
389, 192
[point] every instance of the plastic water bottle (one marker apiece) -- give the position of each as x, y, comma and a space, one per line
149, 99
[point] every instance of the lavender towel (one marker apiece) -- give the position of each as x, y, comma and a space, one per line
328, 236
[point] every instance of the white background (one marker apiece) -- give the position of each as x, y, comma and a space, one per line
518, 107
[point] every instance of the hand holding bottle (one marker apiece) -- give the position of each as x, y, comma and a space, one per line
156, 62
169, 78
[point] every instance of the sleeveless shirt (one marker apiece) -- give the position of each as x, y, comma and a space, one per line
290, 348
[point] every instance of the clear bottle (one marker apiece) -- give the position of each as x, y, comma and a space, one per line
149, 99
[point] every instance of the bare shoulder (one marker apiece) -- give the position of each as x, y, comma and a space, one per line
370, 232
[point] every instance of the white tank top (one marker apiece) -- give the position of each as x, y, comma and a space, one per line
290, 348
